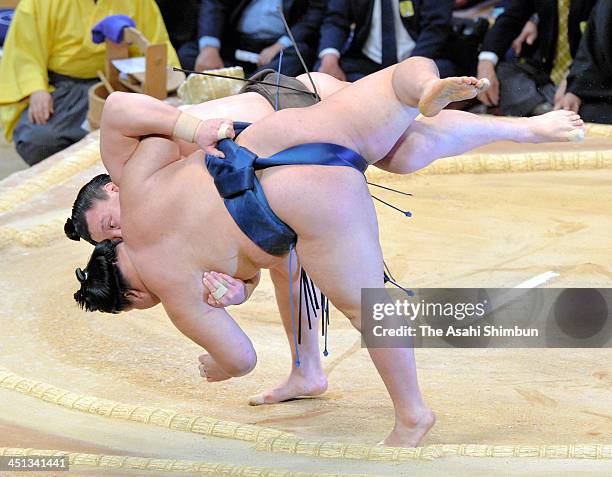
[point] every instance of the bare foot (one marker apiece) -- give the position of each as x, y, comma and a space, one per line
556, 126
210, 370
410, 433
438, 93
298, 384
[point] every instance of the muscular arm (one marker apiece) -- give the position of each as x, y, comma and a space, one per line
125, 119
128, 117
211, 328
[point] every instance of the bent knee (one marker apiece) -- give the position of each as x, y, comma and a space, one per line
244, 365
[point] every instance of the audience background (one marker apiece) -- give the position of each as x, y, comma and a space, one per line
251, 34
534, 81
539, 54
50, 61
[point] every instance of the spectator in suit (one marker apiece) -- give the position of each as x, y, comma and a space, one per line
255, 26
181, 19
589, 83
386, 31
527, 86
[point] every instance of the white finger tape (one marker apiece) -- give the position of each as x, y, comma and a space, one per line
219, 292
222, 134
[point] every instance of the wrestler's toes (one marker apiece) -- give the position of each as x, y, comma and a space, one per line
577, 135
271, 398
275, 396
483, 84
257, 400
312, 384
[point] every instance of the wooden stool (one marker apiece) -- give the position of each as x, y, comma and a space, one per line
156, 59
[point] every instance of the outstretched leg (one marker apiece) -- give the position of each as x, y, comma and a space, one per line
368, 116
308, 379
451, 133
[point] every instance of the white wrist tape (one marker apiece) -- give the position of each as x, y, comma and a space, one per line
186, 127
222, 134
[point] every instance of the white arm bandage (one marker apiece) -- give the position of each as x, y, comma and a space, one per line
186, 127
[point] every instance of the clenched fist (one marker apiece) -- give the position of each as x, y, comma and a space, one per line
211, 131
235, 289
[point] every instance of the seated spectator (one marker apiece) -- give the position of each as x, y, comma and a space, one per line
386, 31
589, 83
49, 63
527, 86
181, 19
231, 27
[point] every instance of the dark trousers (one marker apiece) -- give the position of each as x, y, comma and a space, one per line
356, 66
522, 87
291, 65
35, 142
596, 112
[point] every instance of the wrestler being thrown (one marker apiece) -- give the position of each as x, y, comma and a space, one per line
184, 213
